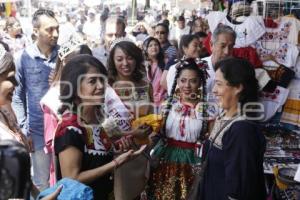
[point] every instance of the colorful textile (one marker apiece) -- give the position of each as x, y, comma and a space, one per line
94, 145
174, 175
291, 111
72, 189
247, 32
248, 53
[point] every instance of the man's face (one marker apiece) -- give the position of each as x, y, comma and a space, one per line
223, 47
113, 31
120, 30
47, 33
181, 24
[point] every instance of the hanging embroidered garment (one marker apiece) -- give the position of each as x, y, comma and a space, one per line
273, 101
286, 31
291, 111
247, 32
286, 54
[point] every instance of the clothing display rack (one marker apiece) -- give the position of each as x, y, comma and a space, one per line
276, 8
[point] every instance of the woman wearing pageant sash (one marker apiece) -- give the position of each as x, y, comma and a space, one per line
126, 75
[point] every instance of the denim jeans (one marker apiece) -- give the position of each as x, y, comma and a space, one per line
40, 169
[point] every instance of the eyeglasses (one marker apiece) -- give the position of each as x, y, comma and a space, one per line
160, 32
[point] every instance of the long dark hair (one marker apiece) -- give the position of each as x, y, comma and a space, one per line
77, 66
129, 48
237, 71
199, 68
160, 56
7, 63
81, 49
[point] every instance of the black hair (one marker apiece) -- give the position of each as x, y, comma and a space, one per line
165, 26
237, 71
81, 49
77, 66
36, 16
189, 64
160, 56
130, 49
184, 42
7, 63
181, 18
201, 34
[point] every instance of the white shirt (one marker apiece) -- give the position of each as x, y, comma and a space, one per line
176, 33
92, 29
247, 32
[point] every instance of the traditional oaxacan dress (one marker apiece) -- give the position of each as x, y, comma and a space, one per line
174, 175
94, 145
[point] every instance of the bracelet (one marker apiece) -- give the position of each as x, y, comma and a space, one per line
116, 163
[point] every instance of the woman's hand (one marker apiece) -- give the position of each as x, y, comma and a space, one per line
54, 195
131, 154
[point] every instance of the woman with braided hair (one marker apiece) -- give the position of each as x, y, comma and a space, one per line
186, 118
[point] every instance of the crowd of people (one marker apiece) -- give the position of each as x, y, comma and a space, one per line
56, 101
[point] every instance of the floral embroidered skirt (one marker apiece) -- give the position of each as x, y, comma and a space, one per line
174, 175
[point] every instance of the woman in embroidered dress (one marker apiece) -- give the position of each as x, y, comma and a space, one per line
8, 122
50, 103
188, 48
155, 63
126, 75
235, 158
185, 120
84, 152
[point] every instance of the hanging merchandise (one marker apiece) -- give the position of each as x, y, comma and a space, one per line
286, 54
273, 101
247, 32
291, 111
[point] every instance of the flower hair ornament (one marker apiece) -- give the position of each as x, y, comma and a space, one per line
121, 39
68, 47
2, 51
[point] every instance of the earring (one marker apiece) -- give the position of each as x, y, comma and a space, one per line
199, 93
176, 94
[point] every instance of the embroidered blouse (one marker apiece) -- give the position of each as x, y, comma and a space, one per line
184, 122
247, 32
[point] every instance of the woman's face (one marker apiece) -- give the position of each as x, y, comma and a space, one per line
153, 49
161, 34
192, 50
198, 26
125, 64
92, 87
7, 86
15, 29
227, 96
188, 83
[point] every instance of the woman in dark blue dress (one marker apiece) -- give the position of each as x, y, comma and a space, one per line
235, 158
